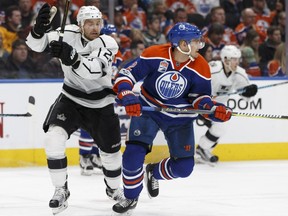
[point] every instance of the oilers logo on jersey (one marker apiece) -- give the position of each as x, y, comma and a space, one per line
170, 85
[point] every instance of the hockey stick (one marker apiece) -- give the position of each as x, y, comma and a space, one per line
239, 91
31, 103
176, 110
194, 111
62, 29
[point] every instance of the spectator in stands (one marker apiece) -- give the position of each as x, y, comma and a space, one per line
204, 7
135, 16
277, 66
264, 16
214, 37
196, 19
120, 22
11, 27
218, 16
135, 35
250, 57
206, 52
3, 55
160, 8
180, 15
136, 49
247, 23
27, 16
153, 33
71, 19
18, 65
281, 23
7, 3
3, 52
51, 69
232, 10
267, 49
185, 4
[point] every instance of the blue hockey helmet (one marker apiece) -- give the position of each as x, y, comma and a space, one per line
183, 31
109, 29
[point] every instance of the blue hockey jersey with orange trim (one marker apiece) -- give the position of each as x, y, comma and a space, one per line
167, 83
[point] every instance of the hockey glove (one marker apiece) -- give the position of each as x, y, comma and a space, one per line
131, 102
249, 91
64, 51
42, 24
221, 113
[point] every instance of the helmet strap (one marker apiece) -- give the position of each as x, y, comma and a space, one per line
186, 53
228, 66
83, 34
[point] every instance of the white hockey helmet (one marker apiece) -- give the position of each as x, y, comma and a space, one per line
230, 51
88, 12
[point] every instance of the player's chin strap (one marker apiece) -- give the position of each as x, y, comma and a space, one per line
186, 53
229, 66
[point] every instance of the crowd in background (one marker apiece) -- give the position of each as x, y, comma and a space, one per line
257, 27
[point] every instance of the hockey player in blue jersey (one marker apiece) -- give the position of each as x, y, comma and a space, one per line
169, 72
89, 154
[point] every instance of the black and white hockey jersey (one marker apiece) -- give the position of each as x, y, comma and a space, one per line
90, 84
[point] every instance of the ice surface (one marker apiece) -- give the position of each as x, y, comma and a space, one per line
257, 188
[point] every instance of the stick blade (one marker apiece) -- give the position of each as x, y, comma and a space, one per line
31, 100
31, 106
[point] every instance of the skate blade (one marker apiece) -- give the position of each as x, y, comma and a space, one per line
60, 209
128, 213
87, 173
201, 161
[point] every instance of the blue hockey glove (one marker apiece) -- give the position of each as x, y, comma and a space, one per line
131, 102
64, 51
250, 90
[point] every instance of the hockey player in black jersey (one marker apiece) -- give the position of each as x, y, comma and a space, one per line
86, 100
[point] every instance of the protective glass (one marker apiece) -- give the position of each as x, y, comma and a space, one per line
199, 43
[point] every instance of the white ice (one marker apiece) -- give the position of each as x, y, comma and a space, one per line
258, 188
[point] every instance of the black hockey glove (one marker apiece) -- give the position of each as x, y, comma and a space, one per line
64, 51
42, 24
250, 90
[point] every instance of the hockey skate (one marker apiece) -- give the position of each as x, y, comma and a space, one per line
86, 165
96, 161
205, 156
59, 203
151, 183
125, 207
115, 194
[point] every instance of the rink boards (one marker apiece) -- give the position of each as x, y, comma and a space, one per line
21, 139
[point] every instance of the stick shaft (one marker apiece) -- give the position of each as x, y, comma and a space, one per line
31, 104
193, 111
176, 110
258, 115
16, 115
260, 87
62, 29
